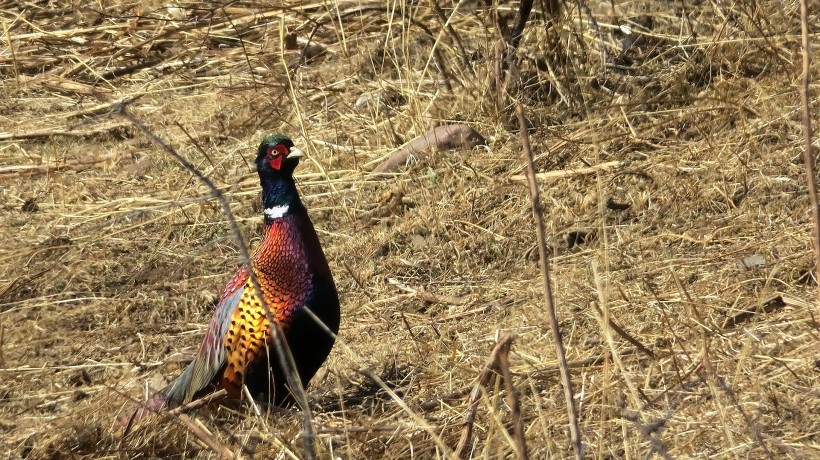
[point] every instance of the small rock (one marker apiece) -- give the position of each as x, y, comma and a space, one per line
753, 261
363, 101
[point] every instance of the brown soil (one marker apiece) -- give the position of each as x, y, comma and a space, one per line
676, 202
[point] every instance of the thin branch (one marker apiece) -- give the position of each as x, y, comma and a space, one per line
563, 173
252, 403
483, 377
69, 132
566, 378
205, 437
197, 403
591, 18
540, 374
515, 406
652, 433
624, 335
752, 426
465, 61
808, 154
64, 165
512, 42
180, 415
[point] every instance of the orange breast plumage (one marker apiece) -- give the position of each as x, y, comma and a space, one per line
283, 272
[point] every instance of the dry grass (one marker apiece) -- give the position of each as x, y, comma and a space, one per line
113, 256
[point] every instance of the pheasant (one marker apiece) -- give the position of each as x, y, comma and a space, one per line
297, 288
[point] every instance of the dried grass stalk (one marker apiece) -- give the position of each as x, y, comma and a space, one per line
808, 151
513, 402
490, 366
538, 217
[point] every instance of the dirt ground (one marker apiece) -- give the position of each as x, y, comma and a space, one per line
674, 197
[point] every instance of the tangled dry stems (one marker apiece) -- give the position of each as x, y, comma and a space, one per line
114, 256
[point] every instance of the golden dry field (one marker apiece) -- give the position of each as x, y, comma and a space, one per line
674, 197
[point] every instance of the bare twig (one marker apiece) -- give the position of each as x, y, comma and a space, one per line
2, 342
465, 61
483, 377
342, 430
197, 403
566, 379
205, 437
751, 425
769, 305
585, 8
625, 335
560, 174
417, 420
652, 433
512, 42
13, 54
48, 132
180, 415
67, 165
512, 400
251, 402
540, 374
808, 156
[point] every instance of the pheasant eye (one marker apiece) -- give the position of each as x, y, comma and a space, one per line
276, 150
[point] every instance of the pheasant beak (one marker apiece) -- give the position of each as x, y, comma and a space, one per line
296, 152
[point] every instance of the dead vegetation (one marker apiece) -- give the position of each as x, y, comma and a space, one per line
668, 138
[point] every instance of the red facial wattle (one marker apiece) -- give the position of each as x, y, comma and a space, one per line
275, 155
275, 162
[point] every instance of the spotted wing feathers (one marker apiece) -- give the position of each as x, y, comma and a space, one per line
245, 340
210, 358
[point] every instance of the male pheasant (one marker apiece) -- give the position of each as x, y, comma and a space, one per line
297, 288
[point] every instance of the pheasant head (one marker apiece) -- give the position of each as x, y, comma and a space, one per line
276, 160
277, 156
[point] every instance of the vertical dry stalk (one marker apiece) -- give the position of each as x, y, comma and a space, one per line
808, 156
512, 400
483, 378
517, 32
13, 54
535, 198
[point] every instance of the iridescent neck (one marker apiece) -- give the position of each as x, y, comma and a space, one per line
279, 197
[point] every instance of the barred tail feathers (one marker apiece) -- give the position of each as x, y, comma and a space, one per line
169, 397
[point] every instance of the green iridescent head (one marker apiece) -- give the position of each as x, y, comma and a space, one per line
277, 154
